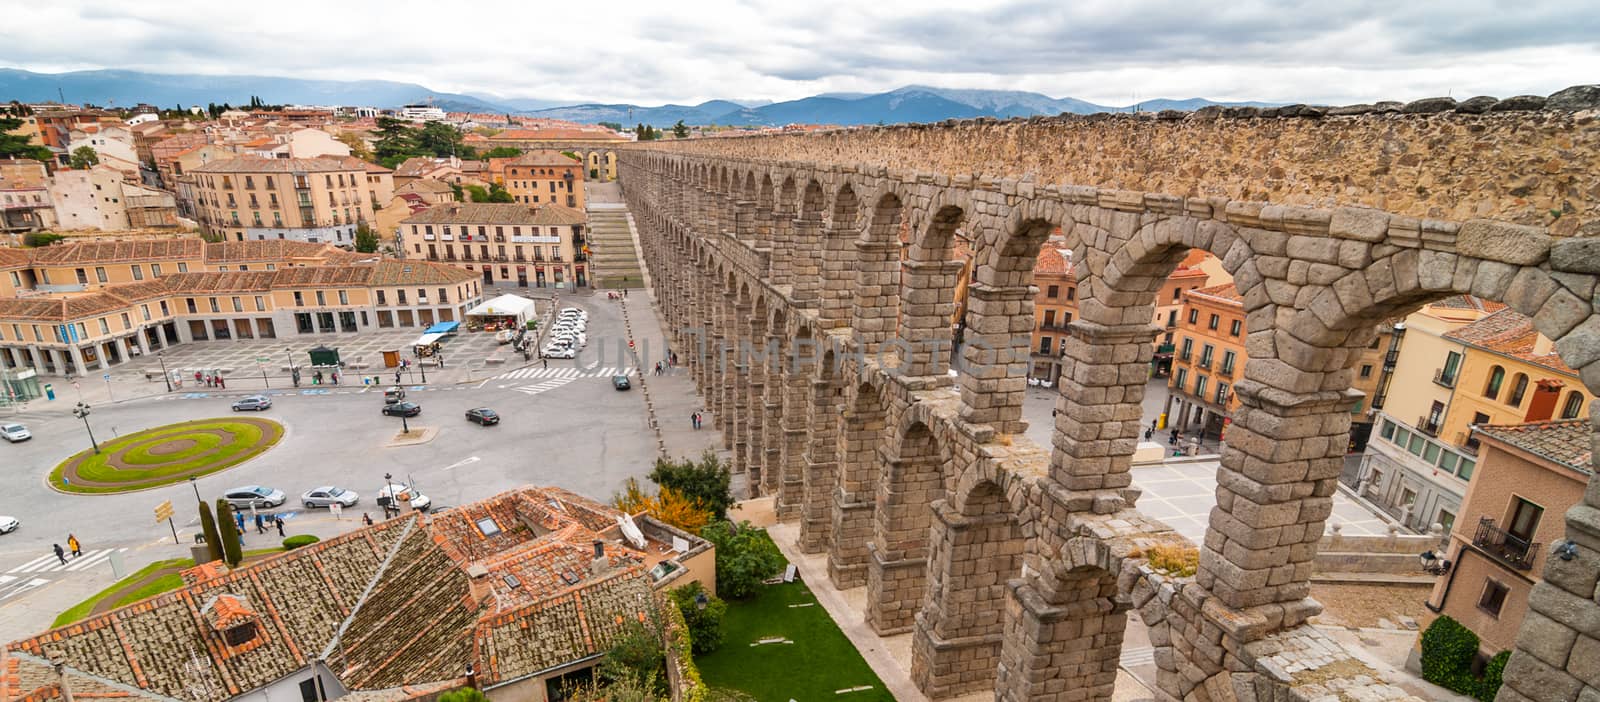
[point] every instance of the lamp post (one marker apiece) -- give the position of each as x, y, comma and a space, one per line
389, 484
700, 601
162, 357
424, 370
82, 412
196, 485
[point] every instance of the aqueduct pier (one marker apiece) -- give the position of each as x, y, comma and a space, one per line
1014, 564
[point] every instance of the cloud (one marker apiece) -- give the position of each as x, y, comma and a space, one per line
647, 52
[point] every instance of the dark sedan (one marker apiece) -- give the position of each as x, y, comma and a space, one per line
403, 409
483, 415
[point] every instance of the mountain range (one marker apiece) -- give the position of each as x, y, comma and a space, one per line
913, 103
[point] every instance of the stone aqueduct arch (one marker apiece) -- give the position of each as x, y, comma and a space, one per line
922, 488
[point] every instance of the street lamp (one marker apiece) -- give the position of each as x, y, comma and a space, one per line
700, 601
196, 485
82, 412
424, 370
389, 484
161, 356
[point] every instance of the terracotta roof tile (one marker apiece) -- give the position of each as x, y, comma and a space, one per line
247, 164
118, 251
544, 157
498, 213
1511, 334
1568, 442
1224, 292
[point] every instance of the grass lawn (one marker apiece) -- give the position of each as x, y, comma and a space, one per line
168, 582
207, 454
820, 662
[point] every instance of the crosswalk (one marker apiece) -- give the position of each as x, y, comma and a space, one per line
50, 564
543, 387
525, 373
13, 585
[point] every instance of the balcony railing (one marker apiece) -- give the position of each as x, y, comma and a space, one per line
1225, 372
1426, 426
1467, 441
1446, 379
1204, 363
1509, 548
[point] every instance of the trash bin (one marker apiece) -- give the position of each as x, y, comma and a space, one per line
49, 391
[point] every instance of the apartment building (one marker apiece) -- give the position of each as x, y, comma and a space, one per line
1510, 373
25, 204
1531, 474
540, 177
100, 197
315, 200
504, 243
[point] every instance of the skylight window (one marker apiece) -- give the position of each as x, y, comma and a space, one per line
512, 581
488, 526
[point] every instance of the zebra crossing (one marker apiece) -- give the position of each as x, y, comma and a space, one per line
13, 585
1143, 655
570, 373
50, 564
543, 387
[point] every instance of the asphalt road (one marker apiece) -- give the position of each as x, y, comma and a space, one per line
564, 426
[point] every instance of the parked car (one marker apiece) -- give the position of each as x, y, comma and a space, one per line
620, 382
558, 352
254, 496
400, 492
483, 415
402, 409
254, 403
14, 432
573, 312
8, 524
326, 495
393, 395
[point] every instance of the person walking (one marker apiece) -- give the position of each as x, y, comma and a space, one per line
277, 520
197, 377
73, 546
545, 361
441, 361
366, 519
238, 518
261, 525
222, 383
60, 553
397, 377
335, 377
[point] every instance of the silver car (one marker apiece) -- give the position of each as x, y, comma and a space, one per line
327, 495
254, 496
14, 432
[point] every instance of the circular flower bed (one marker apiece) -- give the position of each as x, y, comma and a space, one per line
166, 455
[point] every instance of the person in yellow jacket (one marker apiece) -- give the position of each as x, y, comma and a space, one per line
73, 546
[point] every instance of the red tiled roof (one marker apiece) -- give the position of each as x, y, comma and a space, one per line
1568, 442
1510, 334
1224, 292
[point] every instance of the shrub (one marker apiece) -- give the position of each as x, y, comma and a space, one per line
745, 557
37, 239
1173, 559
669, 506
1448, 649
706, 480
705, 625
462, 694
208, 526
232, 549
299, 540
1493, 674
638, 654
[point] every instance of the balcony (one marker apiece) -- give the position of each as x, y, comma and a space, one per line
1509, 548
1427, 426
1225, 372
1205, 363
1467, 441
1445, 379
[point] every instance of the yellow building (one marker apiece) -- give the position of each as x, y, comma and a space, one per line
542, 177
1509, 375
316, 200
537, 245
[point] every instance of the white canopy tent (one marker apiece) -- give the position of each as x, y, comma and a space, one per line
516, 306
427, 339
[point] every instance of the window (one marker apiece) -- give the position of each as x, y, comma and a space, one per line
488, 527
1447, 374
1180, 379
344, 298
138, 272
1235, 327
214, 307
1216, 320
1044, 344
1049, 318
1194, 316
1387, 432
299, 299
1446, 519
192, 308
100, 273
1222, 393
1573, 406
1366, 370
1497, 376
238, 304
1052, 291
1494, 596
1200, 385
1228, 359
1072, 293
1186, 350
240, 635
1524, 519
1205, 355
1464, 471
400, 296
155, 269
183, 268
381, 301
1176, 293
145, 310
321, 299
261, 304
104, 328
308, 690
1519, 387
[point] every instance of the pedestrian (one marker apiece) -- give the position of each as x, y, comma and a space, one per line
277, 520
261, 525
238, 518
1148, 432
545, 361
197, 377
222, 383
441, 360
316, 378
1172, 437
366, 519
397, 377
60, 553
335, 378
73, 546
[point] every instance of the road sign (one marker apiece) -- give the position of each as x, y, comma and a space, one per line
164, 510
263, 359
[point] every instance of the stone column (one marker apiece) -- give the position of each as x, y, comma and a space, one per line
799, 366
956, 647
1062, 642
839, 262
76, 354
1099, 411
744, 219
724, 374
876, 303
927, 303
821, 458
753, 360
33, 358
898, 553
772, 418
861, 443
806, 256
996, 356
781, 239
139, 337
762, 238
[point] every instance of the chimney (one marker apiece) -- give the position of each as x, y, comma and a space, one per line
601, 565
1543, 346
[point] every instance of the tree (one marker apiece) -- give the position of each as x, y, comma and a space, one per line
705, 625
503, 152
745, 557
706, 481
83, 157
476, 192
456, 188
499, 194
232, 551
639, 651
17, 145
680, 130
366, 239
668, 505
463, 694
396, 141
358, 146
613, 126
38, 239
208, 526
441, 139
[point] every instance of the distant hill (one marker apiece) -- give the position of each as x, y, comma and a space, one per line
110, 88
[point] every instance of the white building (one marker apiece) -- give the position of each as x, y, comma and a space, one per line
421, 113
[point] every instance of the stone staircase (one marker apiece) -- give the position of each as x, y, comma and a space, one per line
613, 260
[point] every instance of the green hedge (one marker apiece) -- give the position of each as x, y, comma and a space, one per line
299, 540
1448, 651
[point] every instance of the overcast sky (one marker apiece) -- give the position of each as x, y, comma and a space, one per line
1105, 51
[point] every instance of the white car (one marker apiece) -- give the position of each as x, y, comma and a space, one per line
254, 496
574, 312
403, 493
8, 524
14, 432
558, 352
326, 495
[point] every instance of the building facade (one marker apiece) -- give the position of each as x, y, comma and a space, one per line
1531, 474
542, 177
538, 246
1209, 355
317, 200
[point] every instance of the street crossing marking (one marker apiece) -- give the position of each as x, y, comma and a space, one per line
51, 564
1143, 655
523, 373
544, 386
11, 585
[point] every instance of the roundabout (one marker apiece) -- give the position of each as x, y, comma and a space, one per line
166, 455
